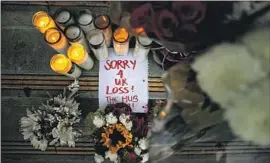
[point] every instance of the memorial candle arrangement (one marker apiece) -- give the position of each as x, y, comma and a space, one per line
57, 40
85, 21
97, 43
75, 35
63, 18
42, 21
63, 65
78, 54
121, 41
142, 46
103, 23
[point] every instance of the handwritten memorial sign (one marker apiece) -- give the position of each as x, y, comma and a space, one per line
124, 79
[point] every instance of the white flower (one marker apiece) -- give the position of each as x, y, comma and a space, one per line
145, 157
111, 119
128, 125
143, 143
99, 121
42, 144
137, 150
98, 158
113, 157
125, 120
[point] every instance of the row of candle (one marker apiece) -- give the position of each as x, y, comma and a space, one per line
99, 35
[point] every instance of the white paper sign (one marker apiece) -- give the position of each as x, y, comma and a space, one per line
123, 79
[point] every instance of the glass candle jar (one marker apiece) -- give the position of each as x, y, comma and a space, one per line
63, 18
103, 23
42, 21
121, 41
142, 46
97, 43
85, 21
57, 40
75, 35
63, 65
79, 55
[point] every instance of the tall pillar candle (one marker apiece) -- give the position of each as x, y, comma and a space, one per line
97, 43
75, 35
63, 18
57, 40
85, 20
103, 23
63, 65
43, 21
121, 41
142, 46
79, 55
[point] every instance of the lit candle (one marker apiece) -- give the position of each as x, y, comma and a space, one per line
121, 41
142, 46
102, 22
63, 65
85, 20
57, 40
75, 35
97, 43
42, 21
79, 55
63, 18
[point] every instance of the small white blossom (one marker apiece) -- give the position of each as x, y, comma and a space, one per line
137, 150
111, 119
128, 125
113, 157
125, 120
145, 157
99, 121
98, 158
143, 143
42, 144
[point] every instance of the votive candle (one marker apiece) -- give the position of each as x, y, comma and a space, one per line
85, 21
97, 43
142, 46
57, 40
78, 55
75, 35
42, 21
103, 23
63, 65
121, 41
63, 18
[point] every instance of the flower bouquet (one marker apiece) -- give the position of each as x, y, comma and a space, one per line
119, 135
53, 123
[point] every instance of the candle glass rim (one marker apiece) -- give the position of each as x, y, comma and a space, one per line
57, 39
76, 38
65, 69
80, 46
96, 33
120, 41
140, 34
84, 12
61, 10
108, 18
36, 14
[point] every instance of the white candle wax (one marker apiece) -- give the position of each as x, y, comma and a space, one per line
75, 72
87, 64
86, 22
97, 44
75, 35
64, 18
142, 47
